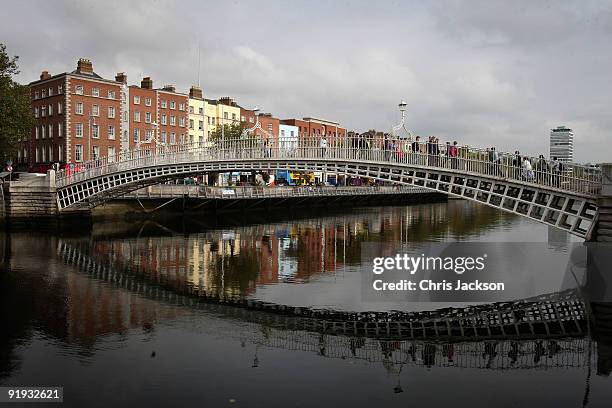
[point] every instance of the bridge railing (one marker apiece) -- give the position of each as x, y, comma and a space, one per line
569, 177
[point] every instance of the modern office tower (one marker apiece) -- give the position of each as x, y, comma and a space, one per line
562, 144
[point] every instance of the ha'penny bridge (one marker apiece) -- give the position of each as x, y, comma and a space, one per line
573, 197
543, 332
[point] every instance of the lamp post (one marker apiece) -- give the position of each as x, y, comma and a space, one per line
402, 125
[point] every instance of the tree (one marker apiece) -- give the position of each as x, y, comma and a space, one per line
227, 132
16, 118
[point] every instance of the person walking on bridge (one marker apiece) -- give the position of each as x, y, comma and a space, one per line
323, 145
453, 152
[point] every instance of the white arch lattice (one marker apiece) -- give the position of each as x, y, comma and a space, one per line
565, 200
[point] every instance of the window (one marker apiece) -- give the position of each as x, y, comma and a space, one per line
242, 119
50, 110
200, 125
164, 119
148, 101
78, 153
60, 89
201, 140
136, 116
292, 133
50, 128
201, 111
43, 111
282, 133
212, 120
50, 153
172, 138
111, 94
111, 132
36, 112
60, 153
95, 92
78, 108
60, 129
78, 129
190, 109
225, 115
44, 154
111, 152
233, 116
136, 135
95, 110
148, 135
172, 121
172, 105
95, 152
111, 112
163, 137
182, 121
78, 89
182, 138
137, 100
37, 132
42, 131
181, 107
269, 126
50, 91
36, 95
148, 117
95, 131
191, 139
43, 93
163, 103
59, 108
37, 154
190, 123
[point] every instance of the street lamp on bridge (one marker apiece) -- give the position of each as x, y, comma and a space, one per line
402, 125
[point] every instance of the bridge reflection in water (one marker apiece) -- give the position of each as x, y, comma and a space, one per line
118, 284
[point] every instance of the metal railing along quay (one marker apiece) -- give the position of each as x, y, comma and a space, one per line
249, 192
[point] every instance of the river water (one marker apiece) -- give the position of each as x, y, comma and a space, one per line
108, 313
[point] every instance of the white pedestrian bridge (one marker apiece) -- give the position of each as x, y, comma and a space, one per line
564, 197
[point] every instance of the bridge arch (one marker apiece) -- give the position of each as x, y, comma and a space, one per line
565, 200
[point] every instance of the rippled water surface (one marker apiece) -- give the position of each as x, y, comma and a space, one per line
107, 312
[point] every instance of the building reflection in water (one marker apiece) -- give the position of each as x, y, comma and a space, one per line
233, 262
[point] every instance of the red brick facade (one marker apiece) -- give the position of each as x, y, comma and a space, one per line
317, 128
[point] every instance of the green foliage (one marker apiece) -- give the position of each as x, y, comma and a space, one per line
227, 132
16, 118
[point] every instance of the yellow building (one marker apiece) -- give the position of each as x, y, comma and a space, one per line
220, 112
197, 117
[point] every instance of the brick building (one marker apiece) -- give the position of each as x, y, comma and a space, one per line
312, 127
77, 118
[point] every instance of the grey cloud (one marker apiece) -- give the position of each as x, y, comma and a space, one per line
487, 73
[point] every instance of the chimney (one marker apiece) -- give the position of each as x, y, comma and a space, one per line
195, 92
84, 66
169, 88
45, 75
146, 83
226, 100
121, 77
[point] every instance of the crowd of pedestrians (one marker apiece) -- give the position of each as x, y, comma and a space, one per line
451, 155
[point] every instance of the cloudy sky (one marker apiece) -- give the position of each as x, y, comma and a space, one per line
481, 72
